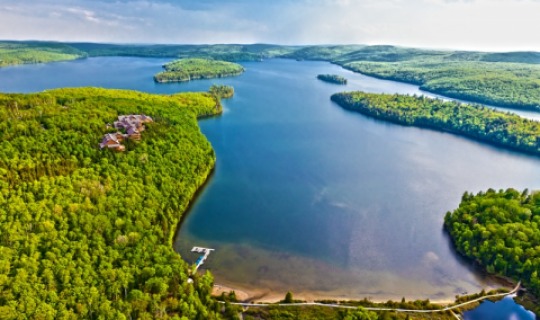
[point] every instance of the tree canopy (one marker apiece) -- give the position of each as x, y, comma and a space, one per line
500, 230
85, 232
196, 68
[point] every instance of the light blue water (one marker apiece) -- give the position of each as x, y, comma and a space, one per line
309, 197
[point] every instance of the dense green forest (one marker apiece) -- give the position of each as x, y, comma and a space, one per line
481, 123
87, 233
500, 230
502, 84
197, 68
332, 78
227, 52
12, 53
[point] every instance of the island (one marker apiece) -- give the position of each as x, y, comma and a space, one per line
499, 230
197, 68
480, 123
221, 91
332, 78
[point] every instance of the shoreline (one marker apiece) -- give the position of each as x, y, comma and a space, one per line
263, 295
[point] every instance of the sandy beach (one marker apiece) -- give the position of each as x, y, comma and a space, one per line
269, 296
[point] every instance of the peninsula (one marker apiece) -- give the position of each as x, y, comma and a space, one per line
499, 230
196, 68
86, 233
477, 122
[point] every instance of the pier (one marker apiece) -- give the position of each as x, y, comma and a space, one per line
205, 251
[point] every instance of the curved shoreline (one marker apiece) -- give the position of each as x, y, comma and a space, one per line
467, 98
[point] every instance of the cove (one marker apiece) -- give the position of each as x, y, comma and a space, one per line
327, 203
311, 198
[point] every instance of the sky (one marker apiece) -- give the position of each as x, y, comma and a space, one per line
489, 25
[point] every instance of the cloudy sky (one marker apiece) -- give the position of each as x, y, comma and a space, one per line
458, 24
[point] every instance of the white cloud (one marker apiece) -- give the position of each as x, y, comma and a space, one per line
462, 24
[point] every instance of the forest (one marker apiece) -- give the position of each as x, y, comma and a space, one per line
13, 53
87, 233
477, 122
501, 84
332, 78
197, 68
500, 230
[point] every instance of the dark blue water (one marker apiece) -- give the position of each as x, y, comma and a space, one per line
309, 197
505, 309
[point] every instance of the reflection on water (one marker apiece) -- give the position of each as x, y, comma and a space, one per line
505, 309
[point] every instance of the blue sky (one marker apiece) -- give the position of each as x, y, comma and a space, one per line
459, 24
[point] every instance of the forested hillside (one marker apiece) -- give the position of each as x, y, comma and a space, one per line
480, 123
500, 230
86, 232
510, 85
12, 53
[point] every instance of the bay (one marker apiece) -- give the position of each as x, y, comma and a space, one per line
309, 197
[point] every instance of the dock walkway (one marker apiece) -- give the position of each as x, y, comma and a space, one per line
206, 252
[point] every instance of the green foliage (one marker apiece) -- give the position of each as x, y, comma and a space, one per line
360, 314
502, 84
324, 313
196, 68
503, 79
500, 230
228, 52
481, 123
221, 91
332, 78
85, 232
12, 53
508, 79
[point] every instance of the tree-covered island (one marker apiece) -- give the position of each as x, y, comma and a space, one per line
332, 78
197, 68
478, 122
221, 91
500, 230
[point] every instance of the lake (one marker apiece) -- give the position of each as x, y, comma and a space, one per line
312, 198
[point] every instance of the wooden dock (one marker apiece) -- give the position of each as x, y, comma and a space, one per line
205, 251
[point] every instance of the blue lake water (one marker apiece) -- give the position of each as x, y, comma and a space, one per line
309, 197
505, 309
